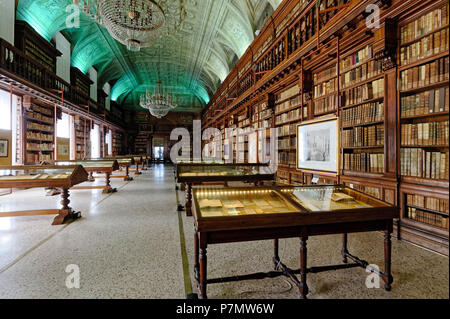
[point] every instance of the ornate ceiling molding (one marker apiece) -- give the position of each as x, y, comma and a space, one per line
193, 62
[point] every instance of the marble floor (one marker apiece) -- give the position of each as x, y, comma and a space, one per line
134, 244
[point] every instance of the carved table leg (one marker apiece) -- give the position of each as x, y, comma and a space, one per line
188, 205
196, 258
91, 177
203, 269
303, 267
344, 250
65, 212
108, 189
127, 174
388, 279
137, 169
276, 257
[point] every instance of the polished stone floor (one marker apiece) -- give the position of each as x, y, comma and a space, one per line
127, 245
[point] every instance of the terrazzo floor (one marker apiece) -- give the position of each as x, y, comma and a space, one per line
127, 245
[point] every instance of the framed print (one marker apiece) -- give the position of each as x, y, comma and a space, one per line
318, 145
4, 148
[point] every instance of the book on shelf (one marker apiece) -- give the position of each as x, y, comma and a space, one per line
362, 73
426, 23
372, 191
417, 162
362, 93
425, 36
363, 136
426, 134
428, 218
426, 202
425, 74
288, 93
428, 102
288, 116
364, 162
356, 59
363, 114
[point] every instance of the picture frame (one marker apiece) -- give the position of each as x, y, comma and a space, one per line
4, 148
318, 145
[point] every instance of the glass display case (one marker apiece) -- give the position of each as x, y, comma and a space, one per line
36, 175
222, 170
231, 215
44, 177
213, 202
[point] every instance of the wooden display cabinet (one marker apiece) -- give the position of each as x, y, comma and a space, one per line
244, 214
44, 177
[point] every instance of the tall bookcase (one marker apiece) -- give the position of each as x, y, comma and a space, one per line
35, 46
82, 129
117, 143
243, 123
362, 112
39, 132
423, 98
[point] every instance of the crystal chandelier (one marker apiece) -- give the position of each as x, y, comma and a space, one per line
159, 103
136, 23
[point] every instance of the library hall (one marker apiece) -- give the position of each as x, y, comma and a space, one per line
263, 152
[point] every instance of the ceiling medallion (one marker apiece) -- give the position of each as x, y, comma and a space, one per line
136, 23
159, 103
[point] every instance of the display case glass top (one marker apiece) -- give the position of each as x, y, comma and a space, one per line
34, 173
120, 160
221, 170
330, 198
285, 206
248, 201
92, 164
41, 176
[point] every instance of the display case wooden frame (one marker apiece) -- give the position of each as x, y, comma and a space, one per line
240, 228
78, 175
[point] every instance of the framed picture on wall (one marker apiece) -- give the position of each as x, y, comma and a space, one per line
4, 148
318, 145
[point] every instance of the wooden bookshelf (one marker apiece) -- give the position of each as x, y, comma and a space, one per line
82, 128
289, 111
80, 81
362, 111
384, 84
325, 90
423, 127
39, 132
35, 46
117, 143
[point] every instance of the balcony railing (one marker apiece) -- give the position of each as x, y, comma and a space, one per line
17, 63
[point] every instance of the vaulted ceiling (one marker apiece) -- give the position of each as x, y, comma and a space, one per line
191, 63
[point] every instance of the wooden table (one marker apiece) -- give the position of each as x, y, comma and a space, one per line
45, 177
196, 174
95, 166
264, 213
124, 164
138, 160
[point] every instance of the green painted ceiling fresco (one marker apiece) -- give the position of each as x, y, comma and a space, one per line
191, 64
